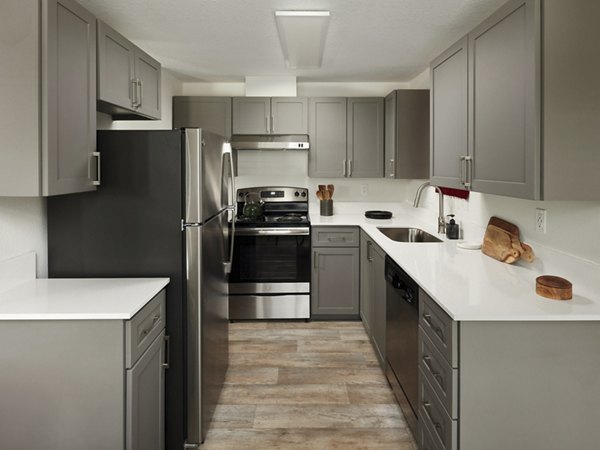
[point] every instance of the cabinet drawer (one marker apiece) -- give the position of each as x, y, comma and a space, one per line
143, 328
335, 237
439, 327
442, 377
426, 439
444, 430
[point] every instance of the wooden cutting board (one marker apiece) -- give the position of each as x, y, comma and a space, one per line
502, 242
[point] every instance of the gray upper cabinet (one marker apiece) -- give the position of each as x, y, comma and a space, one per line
346, 137
520, 139
266, 115
407, 134
449, 116
365, 137
209, 113
504, 92
289, 115
327, 132
48, 89
251, 115
129, 80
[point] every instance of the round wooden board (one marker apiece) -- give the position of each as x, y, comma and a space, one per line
555, 288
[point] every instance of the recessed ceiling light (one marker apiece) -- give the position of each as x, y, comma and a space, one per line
302, 35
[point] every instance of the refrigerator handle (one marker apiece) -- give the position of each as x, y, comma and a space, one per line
230, 207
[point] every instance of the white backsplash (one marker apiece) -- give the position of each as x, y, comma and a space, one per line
572, 227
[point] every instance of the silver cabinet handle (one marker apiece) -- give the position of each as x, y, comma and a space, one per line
167, 362
98, 179
267, 124
141, 98
344, 166
134, 93
469, 177
369, 257
439, 378
349, 168
462, 170
427, 318
336, 239
272, 124
392, 168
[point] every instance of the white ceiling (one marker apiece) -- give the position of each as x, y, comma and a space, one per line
226, 40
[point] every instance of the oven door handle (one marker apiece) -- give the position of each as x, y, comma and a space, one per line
261, 231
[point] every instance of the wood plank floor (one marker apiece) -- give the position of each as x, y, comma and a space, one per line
297, 385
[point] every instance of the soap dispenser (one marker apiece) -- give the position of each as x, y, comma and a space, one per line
452, 228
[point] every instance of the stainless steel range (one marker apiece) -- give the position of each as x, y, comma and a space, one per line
270, 276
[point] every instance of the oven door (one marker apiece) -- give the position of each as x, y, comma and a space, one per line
271, 261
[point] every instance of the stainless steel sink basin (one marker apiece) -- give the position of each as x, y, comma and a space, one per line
408, 235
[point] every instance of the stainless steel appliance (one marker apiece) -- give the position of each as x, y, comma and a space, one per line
163, 209
401, 339
270, 277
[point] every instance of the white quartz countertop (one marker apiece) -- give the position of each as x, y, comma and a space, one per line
469, 285
79, 299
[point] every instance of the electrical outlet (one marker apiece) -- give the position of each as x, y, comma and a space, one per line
364, 190
540, 220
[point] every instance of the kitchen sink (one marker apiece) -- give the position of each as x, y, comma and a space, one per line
408, 235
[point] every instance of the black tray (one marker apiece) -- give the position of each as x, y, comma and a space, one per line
375, 214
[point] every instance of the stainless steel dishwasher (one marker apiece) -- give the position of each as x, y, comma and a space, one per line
401, 339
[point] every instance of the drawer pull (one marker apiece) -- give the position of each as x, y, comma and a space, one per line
336, 239
145, 332
440, 333
438, 377
427, 318
436, 425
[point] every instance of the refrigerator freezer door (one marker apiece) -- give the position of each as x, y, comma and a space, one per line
203, 175
207, 322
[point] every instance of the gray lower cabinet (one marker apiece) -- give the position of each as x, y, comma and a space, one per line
373, 293
507, 384
266, 115
335, 276
209, 113
407, 134
92, 383
48, 92
346, 137
129, 80
520, 140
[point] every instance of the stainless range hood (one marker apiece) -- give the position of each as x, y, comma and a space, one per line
270, 142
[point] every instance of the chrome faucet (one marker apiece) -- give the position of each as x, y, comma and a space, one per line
441, 219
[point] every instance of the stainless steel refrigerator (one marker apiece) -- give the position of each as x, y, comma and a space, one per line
163, 208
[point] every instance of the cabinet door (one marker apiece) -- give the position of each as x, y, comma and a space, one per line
115, 68
209, 113
412, 134
68, 97
504, 80
378, 300
147, 71
145, 400
365, 137
365, 281
251, 115
335, 281
289, 115
327, 132
449, 116
390, 134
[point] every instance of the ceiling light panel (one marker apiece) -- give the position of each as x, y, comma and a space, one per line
302, 35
